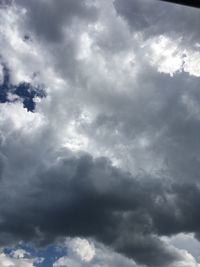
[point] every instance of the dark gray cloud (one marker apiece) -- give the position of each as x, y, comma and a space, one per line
90, 198
83, 197
48, 19
4, 3
157, 17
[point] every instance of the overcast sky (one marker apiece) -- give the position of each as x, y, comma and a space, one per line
99, 133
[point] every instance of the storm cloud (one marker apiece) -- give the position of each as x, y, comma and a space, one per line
110, 149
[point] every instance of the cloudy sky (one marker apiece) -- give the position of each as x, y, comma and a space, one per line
99, 134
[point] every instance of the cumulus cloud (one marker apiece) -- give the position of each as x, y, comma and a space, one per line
111, 152
105, 257
102, 257
18, 258
84, 249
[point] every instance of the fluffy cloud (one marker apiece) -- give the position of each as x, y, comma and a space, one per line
105, 257
112, 150
101, 256
18, 258
83, 249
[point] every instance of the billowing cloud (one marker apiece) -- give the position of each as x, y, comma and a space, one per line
102, 256
109, 153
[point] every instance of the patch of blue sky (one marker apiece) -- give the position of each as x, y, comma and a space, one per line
24, 90
49, 254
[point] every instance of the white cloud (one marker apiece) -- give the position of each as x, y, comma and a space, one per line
170, 56
66, 262
17, 258
87, 253
83, 248
166, 55
19, 118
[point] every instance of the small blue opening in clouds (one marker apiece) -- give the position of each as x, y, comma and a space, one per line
49, 254
24, 90
28, 93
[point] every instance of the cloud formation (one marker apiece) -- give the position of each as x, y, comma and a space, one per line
18, 258
111, 152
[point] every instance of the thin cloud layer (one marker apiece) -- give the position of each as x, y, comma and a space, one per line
110, 152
